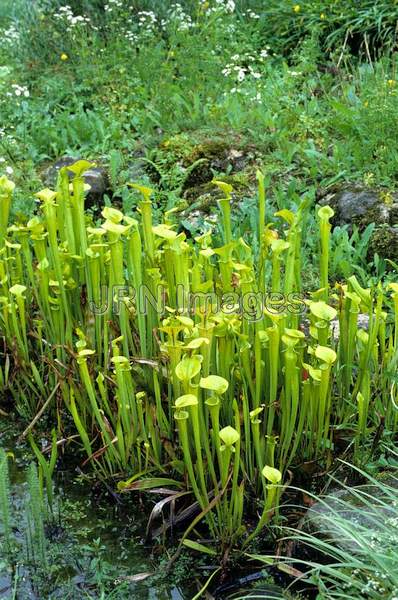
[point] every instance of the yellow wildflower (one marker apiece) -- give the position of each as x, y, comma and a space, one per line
323, 16
387, 198
297, 8
64, 56
391, 82
368, 178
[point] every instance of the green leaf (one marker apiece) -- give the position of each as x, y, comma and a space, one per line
327, 355
197, 343
294, 333
112, 214
325, 213
199, 547
4, 72
323, 311
181, 415
188, 367
164, 231
393, 287
273, 475
18, 290
225, 187
145, 191
86, 352
6, 186
79, 167
229, 435
133, 484
278, 246
186, 321
215, 383
115, 227
46, 195
253, 414
286, 215
186, 400
316, 374
120, 360
207, 252
363, 293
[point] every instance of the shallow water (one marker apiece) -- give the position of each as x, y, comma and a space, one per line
92, 547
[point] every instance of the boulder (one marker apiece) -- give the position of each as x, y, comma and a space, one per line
362, 206
384, 242
187, 161
96, 178
359, 206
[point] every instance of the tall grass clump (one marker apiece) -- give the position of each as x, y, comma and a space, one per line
350, 543
196, 362
367, 28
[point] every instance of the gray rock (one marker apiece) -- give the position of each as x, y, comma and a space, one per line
360, 206
346, 514
96, 178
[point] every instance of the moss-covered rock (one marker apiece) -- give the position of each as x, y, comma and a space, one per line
360, 206
221, 150
211, 148
205, 195
384, 242
190, 160
202, 210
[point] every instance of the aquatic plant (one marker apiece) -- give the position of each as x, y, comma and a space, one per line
35, 511
46, 469
178, 360
5, 515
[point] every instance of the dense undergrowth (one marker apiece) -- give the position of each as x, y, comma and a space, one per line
216, 350
76, 80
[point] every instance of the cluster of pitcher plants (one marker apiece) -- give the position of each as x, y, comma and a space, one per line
197, 364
